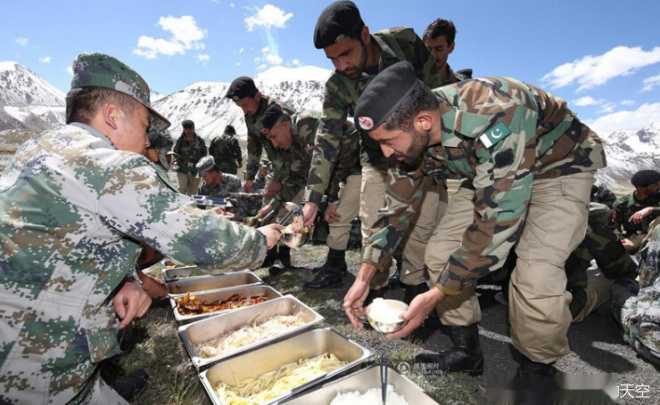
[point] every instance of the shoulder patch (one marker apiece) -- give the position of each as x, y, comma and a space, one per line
494, 134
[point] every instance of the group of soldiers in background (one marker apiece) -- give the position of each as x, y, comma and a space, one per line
493, 175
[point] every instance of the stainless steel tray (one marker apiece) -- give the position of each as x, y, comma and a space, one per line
268, 358
222, 294
195, 334
362, 381
176, 273
212, 282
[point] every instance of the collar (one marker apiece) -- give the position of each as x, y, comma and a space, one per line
94, 132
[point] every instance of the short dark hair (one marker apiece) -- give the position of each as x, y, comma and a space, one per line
645, 178
441, 28
339, 19
420, 98
82, 104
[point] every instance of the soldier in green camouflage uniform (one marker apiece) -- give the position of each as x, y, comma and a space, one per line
357, 56
216, 183
439, 38
189, 149
261, 177
246, 95
226, 151
529, 164
76, 206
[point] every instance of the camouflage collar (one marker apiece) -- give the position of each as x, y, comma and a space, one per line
387, 55
457, 123
263, 104
95, 132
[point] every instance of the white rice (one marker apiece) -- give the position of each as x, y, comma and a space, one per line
371, 397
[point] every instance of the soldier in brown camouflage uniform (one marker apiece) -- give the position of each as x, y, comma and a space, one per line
529, 164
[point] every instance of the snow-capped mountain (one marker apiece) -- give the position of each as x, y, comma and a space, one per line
203, 102
28, 102
628, 152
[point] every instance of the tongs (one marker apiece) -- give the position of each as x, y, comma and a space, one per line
383, 378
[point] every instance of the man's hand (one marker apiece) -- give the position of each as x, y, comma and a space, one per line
247, 186
628, 245
273, 233
331, 214
419, 309
309, 213
272, 188
264, 211
639, 216
354, 298
130, 302
153, 286
224, 213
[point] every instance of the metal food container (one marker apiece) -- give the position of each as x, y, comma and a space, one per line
195, 334
362, 381
223, 294
175, 273
212, 282
268, 358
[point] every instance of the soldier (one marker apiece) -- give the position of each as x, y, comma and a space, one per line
357, 56
529, 164
633, 213
189, 148
226, 151
160, 143
439, 38
216, 183
76, 207
261, 177
246, 95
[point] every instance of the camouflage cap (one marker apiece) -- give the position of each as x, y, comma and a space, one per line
205, 165
230, 130
188, 124
271, 116
383, 94
338, 20
99, 70
241, 87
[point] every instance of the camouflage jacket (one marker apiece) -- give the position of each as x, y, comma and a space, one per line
296, 159
74, 213
227, 152
641, 314
628, 205
189, 153
500, 134
256, 142
341, 95
229, 184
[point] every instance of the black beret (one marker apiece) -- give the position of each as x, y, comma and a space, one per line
241, 87
188, 124
339, 18
645, 178
229, 129
159, 139
383, 95
271, 115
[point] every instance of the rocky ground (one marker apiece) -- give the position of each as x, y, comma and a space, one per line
597, 349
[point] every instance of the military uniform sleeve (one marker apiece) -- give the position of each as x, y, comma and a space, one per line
403, 199
141, 205
502, 192
254, 148
328, 141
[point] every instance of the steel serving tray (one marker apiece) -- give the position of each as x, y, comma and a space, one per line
268, 358
223, 294
363, 380
212, 282
195, 334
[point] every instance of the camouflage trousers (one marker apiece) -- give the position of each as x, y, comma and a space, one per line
348, 207
97, 391
188, 184
538, 301
372, 198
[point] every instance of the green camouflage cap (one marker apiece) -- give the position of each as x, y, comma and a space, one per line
99, 70
205, 165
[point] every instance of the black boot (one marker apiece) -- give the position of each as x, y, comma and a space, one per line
271, 255
330, 274
464, 356
131, 386
535, 383
284, 256
411, 291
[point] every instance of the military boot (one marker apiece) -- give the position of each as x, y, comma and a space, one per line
465, 356
330, 274
535, 383
132, 385
271, 255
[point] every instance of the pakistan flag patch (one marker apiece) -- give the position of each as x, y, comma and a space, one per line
494, 134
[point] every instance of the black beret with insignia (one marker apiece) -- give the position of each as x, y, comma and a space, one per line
241, 87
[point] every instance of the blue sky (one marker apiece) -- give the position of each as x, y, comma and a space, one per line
601, 56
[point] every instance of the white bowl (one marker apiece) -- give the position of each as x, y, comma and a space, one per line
384, 315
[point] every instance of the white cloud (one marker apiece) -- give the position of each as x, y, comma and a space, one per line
295, 62
203, 57
240, 51
642, 117
587, 101
591, 71
269, 16
607, 108
45, 60
22, 41
184, 33
651, 82
627, 102
69, 70
268, 58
